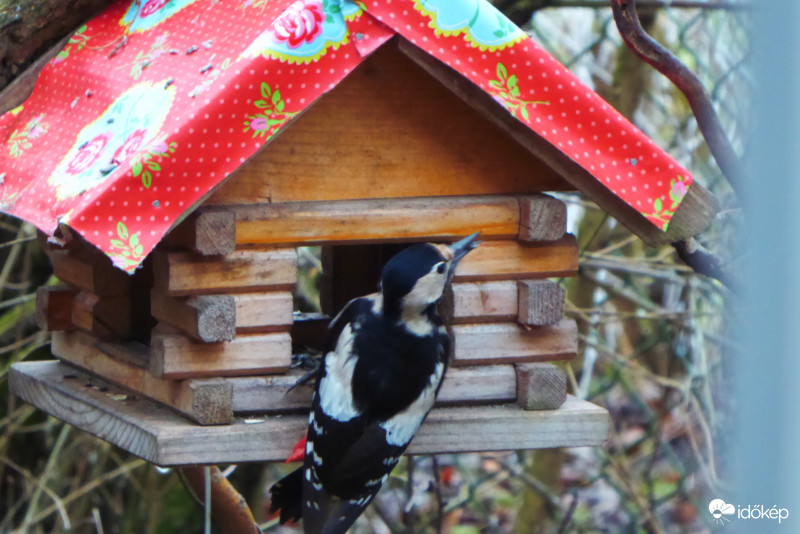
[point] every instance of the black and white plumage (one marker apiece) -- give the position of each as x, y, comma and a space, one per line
384, 364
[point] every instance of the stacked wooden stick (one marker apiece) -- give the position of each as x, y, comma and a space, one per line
207, 326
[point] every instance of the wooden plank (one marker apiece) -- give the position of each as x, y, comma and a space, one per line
540, 386
94, 274
413, 136
541, 302
697, 209
207, 231
175, 356
207, 318
477, 302
271, 311
477, 385
462, 385
542, 218
129, 352
504, 260
481, 344
376, 220
54, 307
207, 402
700, 204
184, 273
103, 317
164, 438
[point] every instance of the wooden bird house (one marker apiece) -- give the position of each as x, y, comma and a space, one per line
190, 358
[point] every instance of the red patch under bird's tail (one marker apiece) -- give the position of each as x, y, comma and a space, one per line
298, 452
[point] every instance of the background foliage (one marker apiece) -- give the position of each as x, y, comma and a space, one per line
652, 344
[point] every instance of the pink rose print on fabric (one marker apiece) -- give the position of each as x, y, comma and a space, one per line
88, 154
678, 190
151, 6
131, 145
301, 22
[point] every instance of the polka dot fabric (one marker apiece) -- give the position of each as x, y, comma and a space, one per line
153, 103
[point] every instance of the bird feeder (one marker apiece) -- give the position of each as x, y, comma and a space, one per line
175, 174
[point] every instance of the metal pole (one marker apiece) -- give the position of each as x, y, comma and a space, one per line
766, 433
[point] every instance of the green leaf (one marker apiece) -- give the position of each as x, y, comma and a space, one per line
276, 96
524, 111
116, 243
122, 230
496, 84
515, 91
265, 90
81, 29
138, 250
261, 104
502, 73
657, 205
134, 240
136, 168
155, 167
279, 106
64, 54
512, 80
147, 179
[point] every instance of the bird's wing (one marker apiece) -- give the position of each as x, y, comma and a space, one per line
352, 459
334, 422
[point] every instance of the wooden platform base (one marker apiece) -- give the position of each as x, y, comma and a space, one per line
164, 438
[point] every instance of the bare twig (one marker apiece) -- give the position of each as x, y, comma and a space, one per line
91, 486
437, 490
228, 507
679, 4
408, 509
59, 503
704, 262
568, 516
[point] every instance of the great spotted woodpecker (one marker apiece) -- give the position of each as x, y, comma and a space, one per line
383, 366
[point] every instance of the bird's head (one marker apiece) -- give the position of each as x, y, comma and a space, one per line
416, 277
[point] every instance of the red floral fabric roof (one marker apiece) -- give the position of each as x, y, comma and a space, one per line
154, 102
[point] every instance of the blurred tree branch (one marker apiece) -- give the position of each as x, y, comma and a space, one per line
636, 38
678, 73
228, 508
520, 11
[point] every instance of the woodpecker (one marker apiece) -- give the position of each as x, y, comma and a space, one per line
383, 365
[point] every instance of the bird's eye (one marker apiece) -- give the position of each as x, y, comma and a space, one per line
440, 268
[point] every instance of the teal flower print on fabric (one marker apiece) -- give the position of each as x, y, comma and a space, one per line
481, 24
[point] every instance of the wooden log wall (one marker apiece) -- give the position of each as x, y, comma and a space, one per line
222, 285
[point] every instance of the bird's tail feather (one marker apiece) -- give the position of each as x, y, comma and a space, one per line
287, 496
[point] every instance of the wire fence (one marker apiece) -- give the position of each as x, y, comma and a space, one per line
652, 343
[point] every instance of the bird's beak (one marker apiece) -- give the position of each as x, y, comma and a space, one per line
459, 249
